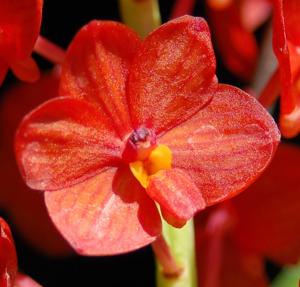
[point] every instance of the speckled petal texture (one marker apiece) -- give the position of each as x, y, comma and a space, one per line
97, 66
63, 142
172, 75
225, 146
107, 214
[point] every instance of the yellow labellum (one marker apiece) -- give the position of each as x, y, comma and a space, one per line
159, 159
139, 172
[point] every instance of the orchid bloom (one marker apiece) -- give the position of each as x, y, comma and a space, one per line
286, 43
26, 209
140, 123
19, 28
234, 239
9, 277
233, 23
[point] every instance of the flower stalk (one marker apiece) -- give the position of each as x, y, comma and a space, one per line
49, 50
141, 15
181, 244
271, 90
165, 258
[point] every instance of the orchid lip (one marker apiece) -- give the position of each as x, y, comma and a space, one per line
159, 159
145, 156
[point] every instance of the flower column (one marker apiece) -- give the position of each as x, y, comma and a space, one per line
144, 16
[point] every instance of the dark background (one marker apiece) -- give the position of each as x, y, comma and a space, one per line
61, 21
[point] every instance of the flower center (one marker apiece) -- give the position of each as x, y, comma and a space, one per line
144, 156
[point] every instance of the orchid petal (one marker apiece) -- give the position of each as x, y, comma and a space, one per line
291, 10
286, 47
107, 214
26, 208
8, 256
235, 43
25, 281
225, 146
282, 52
173, 74
238, 267
64, 142
178, 197
26, 70
254, 13
220, 260
96, 68
268, 213
20, 26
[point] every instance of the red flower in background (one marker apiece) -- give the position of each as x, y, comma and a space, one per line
19, 28
26, 209
233, 23
9, 277
264, 222
8, 256
139, 123
286, 42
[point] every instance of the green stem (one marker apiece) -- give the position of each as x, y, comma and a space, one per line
289, 276
181, 243
141, 15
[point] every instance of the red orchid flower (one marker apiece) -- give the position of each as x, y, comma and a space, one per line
9, 277
263, 222
233, 23
19, 28
140, 122
286, 43
26, 209
8, 256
